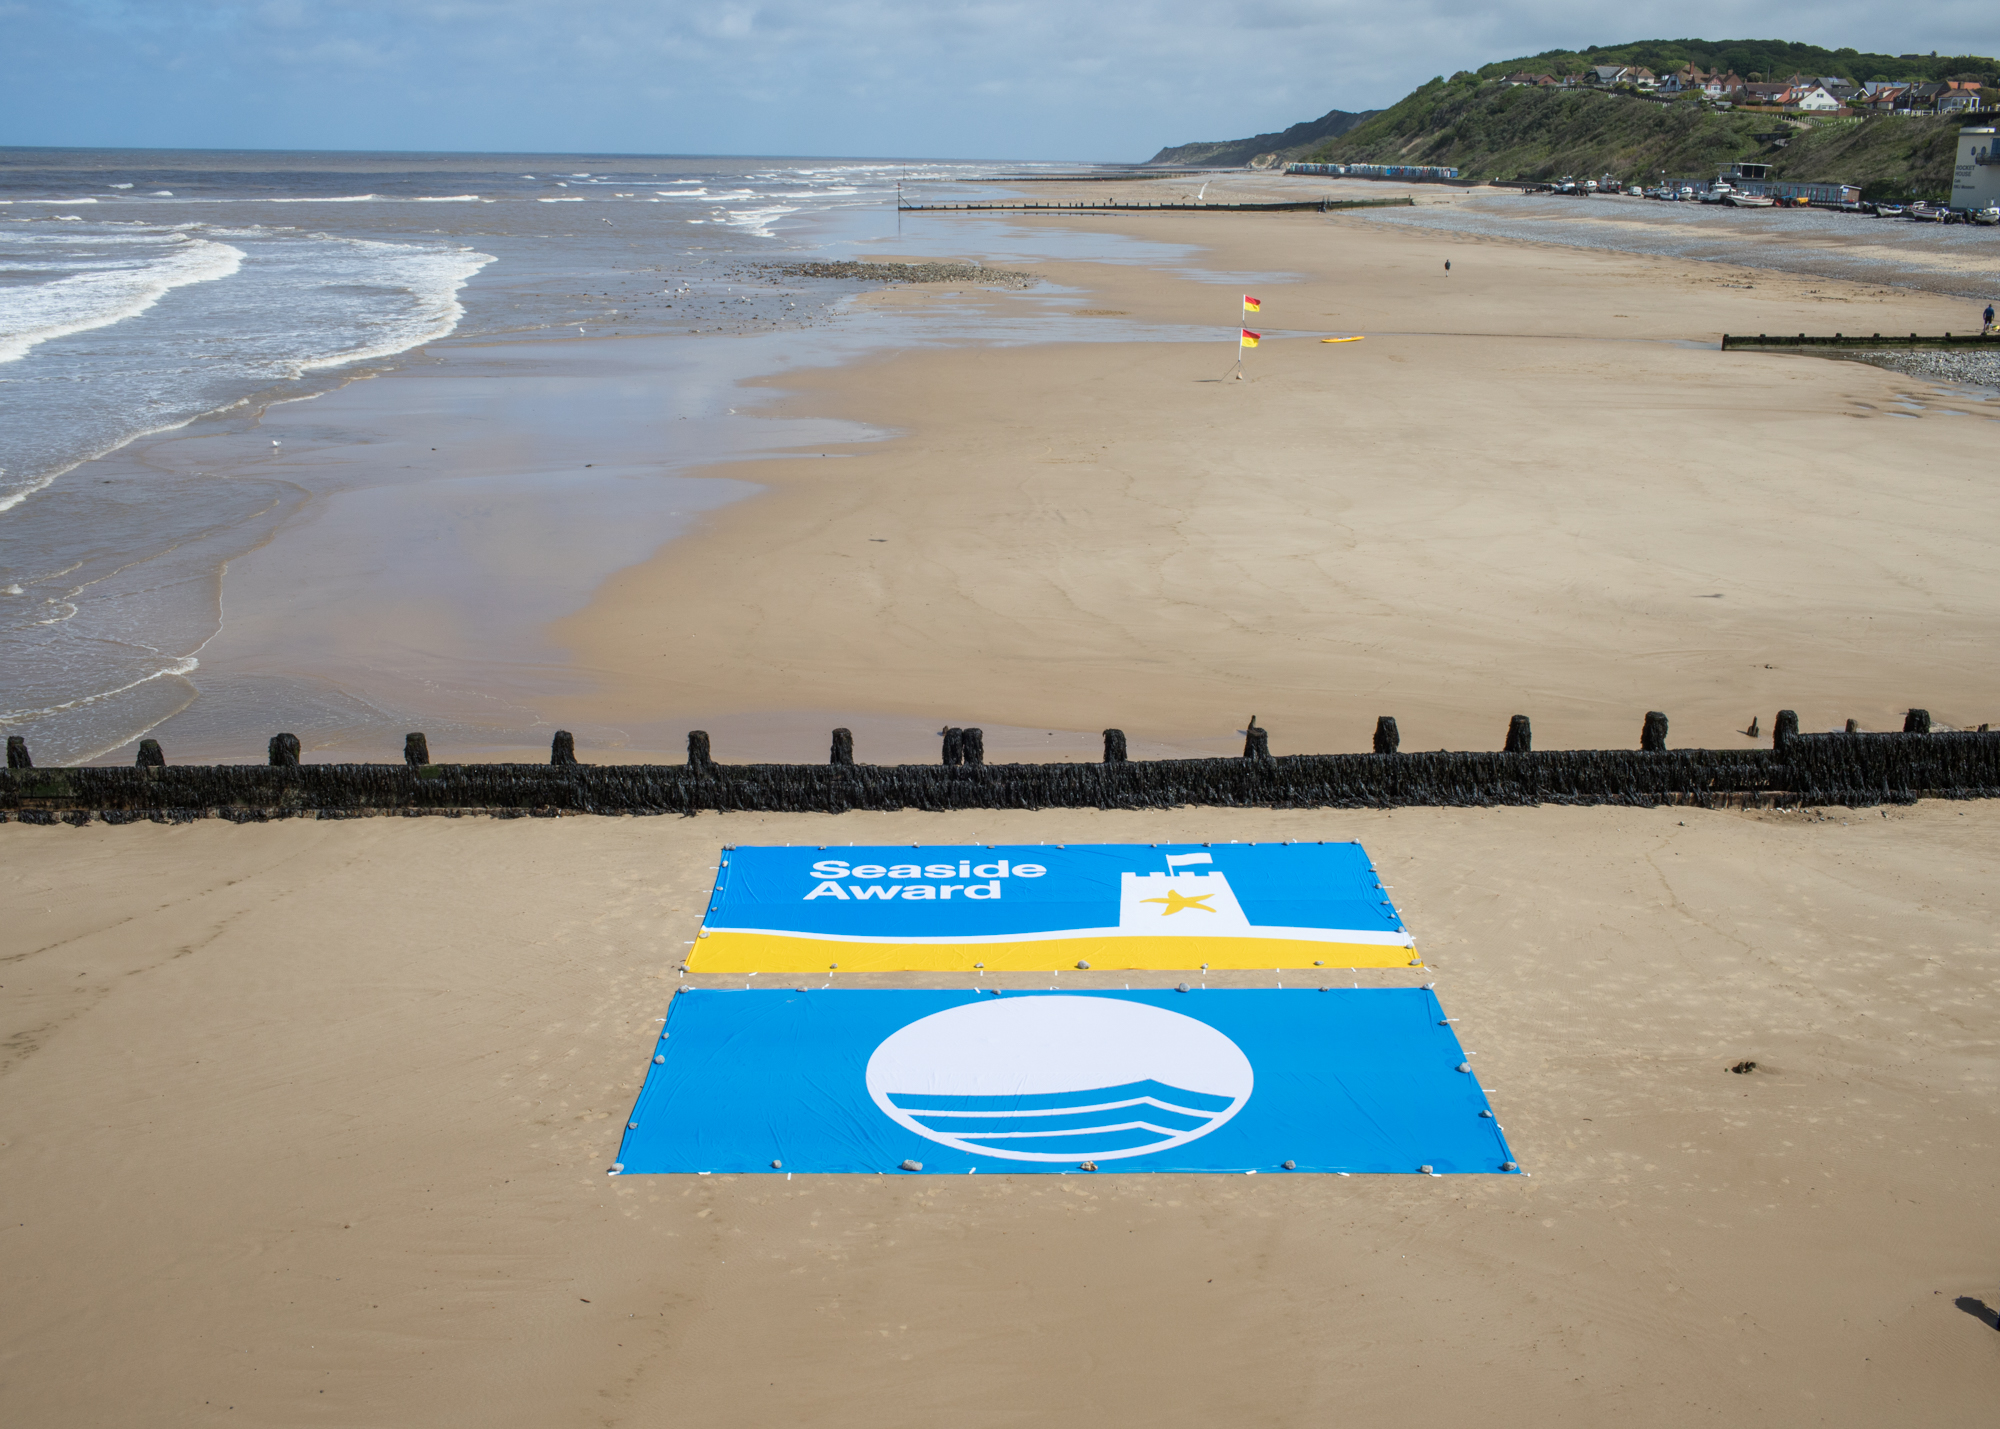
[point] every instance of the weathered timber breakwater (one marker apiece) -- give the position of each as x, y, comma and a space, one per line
1853, 770
1856, 342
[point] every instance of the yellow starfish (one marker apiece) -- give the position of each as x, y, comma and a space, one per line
1176, 901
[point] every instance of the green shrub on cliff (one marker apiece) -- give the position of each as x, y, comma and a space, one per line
1489, 130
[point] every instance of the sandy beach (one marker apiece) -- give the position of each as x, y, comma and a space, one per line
1534, 487
1528, 490
308, 1124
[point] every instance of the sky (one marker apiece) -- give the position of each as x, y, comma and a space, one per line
975, 79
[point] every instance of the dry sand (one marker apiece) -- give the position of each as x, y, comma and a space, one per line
307, 1123
1528, 490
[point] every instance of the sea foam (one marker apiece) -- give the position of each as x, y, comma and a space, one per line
122, 287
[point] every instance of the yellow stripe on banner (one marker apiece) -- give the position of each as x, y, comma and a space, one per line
722, 951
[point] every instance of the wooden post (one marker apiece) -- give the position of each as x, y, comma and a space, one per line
17, 753
843, 747
284, 751
972, 745
1256, 741
1784, 729
562, 749
151, 756
416, 750
698, 755
1387, 739
1654, 735
954, 746
1114, 746
1520, 738
1917, 722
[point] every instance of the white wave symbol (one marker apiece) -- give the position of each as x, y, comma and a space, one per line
1059, 1078
34, 313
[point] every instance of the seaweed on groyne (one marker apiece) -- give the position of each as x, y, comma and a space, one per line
1853, 770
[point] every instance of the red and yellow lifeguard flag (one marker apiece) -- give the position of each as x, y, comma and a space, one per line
1251, 305
1251, 339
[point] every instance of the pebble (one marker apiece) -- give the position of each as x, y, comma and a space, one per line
1979, 369
910, 273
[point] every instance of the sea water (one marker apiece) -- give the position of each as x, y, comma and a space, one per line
151, 292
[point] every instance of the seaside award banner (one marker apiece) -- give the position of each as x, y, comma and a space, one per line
1035, 907
952, 1083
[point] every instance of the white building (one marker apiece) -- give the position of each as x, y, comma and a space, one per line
1975, 183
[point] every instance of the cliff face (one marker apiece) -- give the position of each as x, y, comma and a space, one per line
1288, 144
1489, 130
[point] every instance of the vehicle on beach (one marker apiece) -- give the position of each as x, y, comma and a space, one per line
1634, 191
1886, 210
1686, 193
1989, 215
1716, 192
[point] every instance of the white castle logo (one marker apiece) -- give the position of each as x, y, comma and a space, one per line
1176, 904
1059, 1078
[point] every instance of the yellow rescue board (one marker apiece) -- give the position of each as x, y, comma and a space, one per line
1341, 339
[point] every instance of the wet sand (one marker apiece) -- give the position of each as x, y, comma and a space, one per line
1531, 489
308, 1123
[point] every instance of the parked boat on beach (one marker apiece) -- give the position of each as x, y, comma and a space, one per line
1743, 200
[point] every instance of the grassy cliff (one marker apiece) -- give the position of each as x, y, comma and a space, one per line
1489, 130
1771, 60
1286, 144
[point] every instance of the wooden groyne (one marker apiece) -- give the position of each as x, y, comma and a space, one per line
1893, 342
1852, 770
1319, 205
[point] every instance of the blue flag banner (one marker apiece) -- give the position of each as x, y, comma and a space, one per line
1034, 907
1223, 1080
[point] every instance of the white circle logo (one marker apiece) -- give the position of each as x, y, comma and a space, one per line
1059, 1078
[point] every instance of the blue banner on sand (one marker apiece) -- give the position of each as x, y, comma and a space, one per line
949, 907
953, 1082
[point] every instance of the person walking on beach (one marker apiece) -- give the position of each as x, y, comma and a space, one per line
1989, 319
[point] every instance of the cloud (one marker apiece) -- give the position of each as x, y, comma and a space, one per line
970, 78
